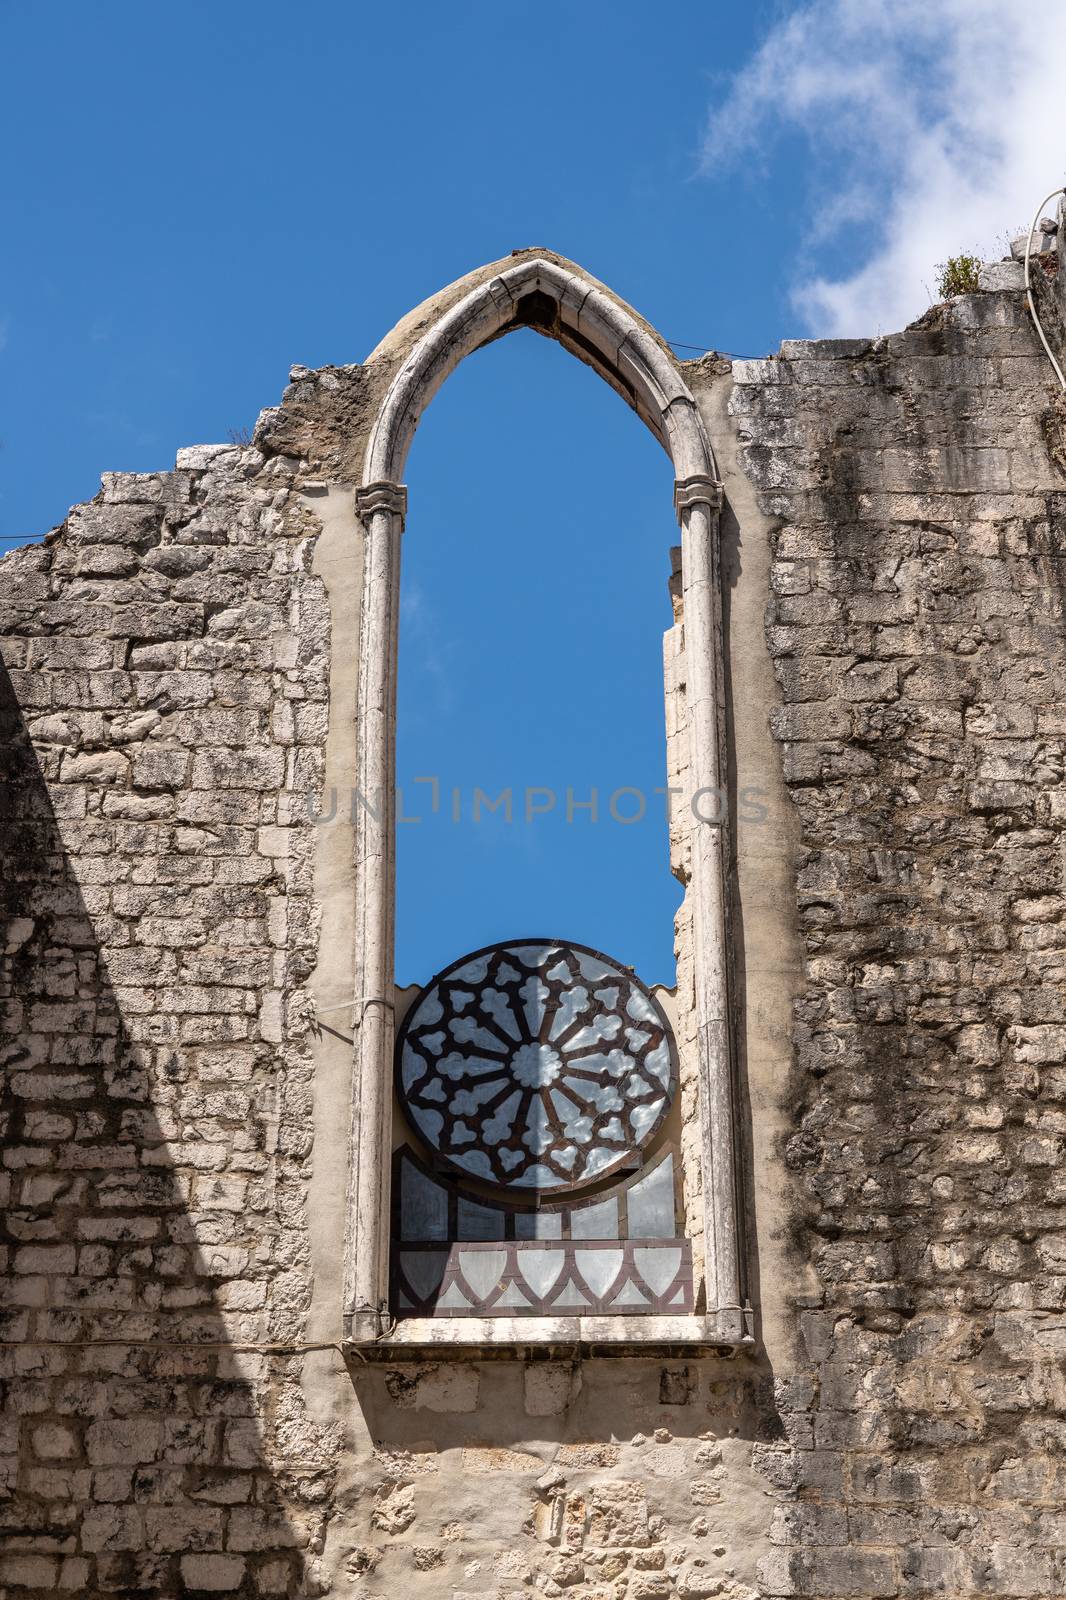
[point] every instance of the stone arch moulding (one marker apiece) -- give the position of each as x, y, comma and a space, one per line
559, 300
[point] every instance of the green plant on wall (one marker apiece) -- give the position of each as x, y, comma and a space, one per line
957, 275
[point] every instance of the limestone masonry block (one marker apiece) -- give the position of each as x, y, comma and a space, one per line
549, 1389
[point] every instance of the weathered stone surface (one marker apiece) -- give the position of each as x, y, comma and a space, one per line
166, 716
931, 855
1001, 275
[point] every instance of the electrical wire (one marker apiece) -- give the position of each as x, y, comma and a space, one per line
1028, 288
363, 1000
709, 350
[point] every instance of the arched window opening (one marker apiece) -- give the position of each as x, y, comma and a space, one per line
562, 1147
530, 736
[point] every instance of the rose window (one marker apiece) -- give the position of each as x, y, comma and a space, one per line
539, 1077
536, 1066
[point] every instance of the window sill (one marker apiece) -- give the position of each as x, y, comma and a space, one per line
641, 1335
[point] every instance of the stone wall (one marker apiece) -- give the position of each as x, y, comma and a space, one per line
166, 655
916, 627
175, 693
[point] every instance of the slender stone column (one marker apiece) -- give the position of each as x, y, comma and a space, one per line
698, 501
381, 507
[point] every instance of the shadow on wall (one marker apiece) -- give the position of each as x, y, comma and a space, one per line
731, 558
131, 1448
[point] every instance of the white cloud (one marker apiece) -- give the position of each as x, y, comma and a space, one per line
423, 635
929, 128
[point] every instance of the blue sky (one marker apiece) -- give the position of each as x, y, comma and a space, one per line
198, 196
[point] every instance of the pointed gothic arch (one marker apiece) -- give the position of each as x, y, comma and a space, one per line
557, 299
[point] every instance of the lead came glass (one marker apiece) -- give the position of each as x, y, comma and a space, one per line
536, 1066
537, 1070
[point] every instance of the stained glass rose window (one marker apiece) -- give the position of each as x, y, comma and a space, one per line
536, 1065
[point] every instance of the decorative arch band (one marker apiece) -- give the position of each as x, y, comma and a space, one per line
559, 300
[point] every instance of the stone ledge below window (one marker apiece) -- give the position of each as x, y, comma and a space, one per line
610, 1335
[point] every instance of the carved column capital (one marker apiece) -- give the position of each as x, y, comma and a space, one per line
381, 496
700, 489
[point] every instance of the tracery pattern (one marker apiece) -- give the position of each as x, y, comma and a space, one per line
536, 1065
602, 1279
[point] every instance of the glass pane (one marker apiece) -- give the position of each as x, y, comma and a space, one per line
423, 1205
423, 1270
453, 1299
599, 1268
571, 1299
538, 1225
512, 1297
595, 1222
482, 1269
630, 1295
651, 1204
541, 1269
479, 1222
658, 1267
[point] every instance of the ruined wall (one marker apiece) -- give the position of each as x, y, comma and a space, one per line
916, 627
176, 689
166, 656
